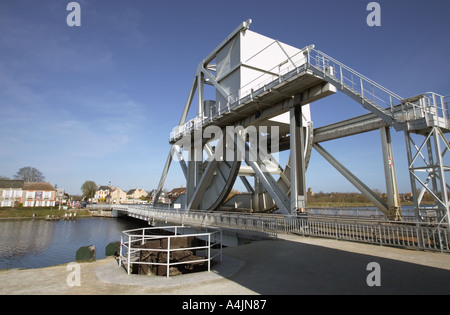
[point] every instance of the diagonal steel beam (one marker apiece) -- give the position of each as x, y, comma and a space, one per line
366, 191
206, 177
269, 183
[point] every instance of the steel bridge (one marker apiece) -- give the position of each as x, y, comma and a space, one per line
263, 89
412, 235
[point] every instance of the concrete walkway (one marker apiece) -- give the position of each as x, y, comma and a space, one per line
290, 265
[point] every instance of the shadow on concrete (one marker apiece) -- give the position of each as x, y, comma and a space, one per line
288, 267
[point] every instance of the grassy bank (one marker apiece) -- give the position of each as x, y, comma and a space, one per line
38, 212
349, 204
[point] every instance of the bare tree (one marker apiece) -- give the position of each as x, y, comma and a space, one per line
29, 174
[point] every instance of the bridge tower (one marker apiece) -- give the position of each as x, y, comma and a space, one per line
253, 95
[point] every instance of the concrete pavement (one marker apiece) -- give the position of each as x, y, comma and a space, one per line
290, 265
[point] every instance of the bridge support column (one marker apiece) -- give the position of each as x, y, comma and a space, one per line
194, 167
393, 199
297, 159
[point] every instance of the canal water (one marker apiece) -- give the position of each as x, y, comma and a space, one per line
40, 243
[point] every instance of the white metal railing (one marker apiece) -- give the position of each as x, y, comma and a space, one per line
132, 240
412, 108
417, 235
364, 213
429, 105
250, 223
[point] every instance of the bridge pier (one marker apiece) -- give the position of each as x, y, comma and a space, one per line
428, 172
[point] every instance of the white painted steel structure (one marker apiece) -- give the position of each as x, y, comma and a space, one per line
267, 85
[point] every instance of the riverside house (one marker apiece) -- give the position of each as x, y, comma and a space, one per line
29, 194
10, 192
38, 194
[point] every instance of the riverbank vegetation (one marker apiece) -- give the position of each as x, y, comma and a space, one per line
348, 200
37, 212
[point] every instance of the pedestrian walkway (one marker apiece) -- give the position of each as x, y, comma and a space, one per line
289, 265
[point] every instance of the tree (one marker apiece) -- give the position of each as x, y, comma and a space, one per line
89, 188
30, 174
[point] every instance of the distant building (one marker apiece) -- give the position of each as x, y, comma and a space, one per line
102, 193
10, 192
135, 195
29, 194
60, 196
75, 201
161, 199
116, 196
174, 193
38, 194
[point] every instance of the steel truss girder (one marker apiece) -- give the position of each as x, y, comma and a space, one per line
431, 163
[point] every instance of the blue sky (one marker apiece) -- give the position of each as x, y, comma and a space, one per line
97, 102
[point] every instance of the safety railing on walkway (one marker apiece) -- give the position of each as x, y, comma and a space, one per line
414, 235
169, 250
430, 105
370, 213
250, 223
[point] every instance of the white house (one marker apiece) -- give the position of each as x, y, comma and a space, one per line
10, 192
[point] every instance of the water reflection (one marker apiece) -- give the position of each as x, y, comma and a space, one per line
40, 243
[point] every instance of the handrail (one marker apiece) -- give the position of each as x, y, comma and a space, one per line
417, 235
258, 224
357, 73
384, 100
130, 237
412, 108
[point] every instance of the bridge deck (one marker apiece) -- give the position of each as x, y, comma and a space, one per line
415, 235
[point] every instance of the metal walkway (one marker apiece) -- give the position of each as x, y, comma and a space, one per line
413, 235
414, 113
